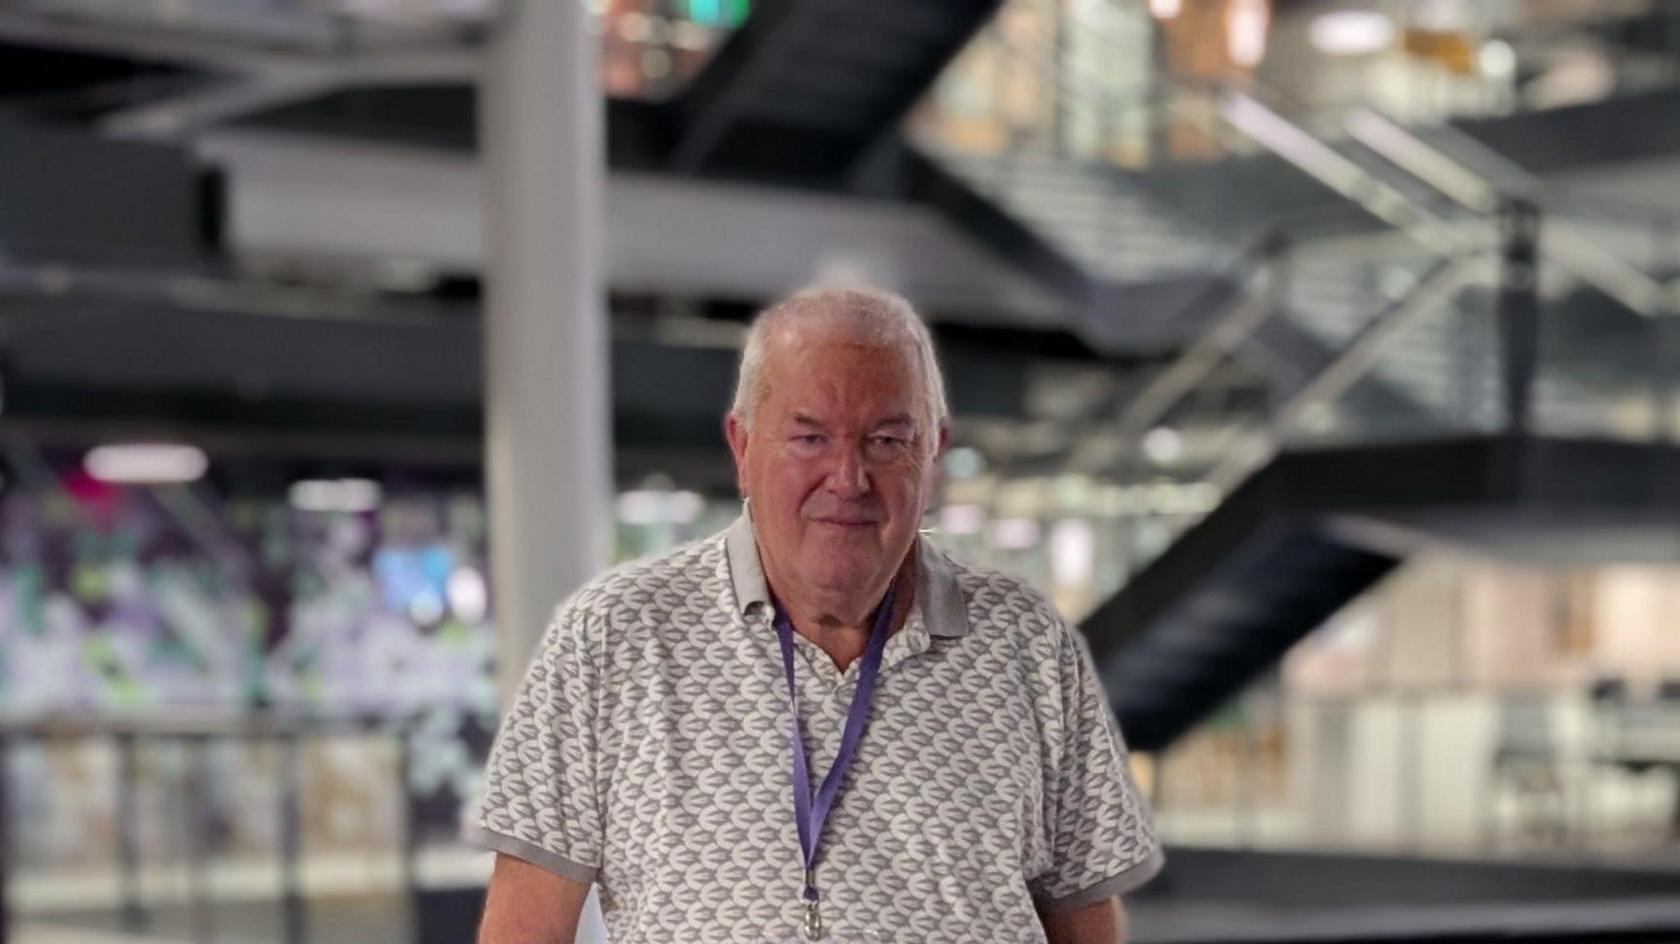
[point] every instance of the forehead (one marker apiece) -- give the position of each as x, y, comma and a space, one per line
840, 374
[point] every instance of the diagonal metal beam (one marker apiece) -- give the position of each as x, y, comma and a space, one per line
163, 47
737, 72
255, 79
1439, 285
172, 118
195, 111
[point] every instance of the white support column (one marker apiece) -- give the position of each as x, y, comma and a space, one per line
547, 395
547, 410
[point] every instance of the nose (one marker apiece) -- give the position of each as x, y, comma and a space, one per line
848, 478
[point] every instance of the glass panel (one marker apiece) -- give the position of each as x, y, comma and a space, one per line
1466, 708
1606, 357
186, 838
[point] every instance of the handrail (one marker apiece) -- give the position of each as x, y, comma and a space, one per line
196, 730
1446, 277
1450, 210
1253, 307
214, 291
1582, 256
1503, 174
199, 723
1241, 285
1255, 113
1264, 108
1198, 361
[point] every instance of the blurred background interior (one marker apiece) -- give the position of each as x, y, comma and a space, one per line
1318, 356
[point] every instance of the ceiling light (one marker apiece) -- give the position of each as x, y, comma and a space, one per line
1163, 444
642, 506
145, 464
1165, 9
1073, 552
1496, 58
961, 519
468, 595
1246, 24
346, 495
1013, 534
415, 10
685, 507
1352, 32
426, 608
635, 27
964, 462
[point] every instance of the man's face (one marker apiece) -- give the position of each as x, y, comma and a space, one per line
837, 464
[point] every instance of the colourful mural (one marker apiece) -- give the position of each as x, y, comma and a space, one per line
129, 602
125, 600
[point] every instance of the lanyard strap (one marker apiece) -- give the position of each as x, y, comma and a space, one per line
811, 811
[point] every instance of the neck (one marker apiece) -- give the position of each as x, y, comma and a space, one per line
841, 624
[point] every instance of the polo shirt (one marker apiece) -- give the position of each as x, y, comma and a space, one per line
648, 751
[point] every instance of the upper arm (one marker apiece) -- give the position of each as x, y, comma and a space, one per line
1101, 841
528, 904
1101, 922
542, 790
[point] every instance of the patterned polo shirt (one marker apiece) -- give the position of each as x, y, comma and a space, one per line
648, 751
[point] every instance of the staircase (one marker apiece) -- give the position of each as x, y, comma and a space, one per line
1120, 235
1278, 556
1115, 232
805, 88
1312, 530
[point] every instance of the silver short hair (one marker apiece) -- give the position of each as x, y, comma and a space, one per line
873, 316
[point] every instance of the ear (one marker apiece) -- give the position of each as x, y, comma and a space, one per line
935, 472
935, 468
736, 432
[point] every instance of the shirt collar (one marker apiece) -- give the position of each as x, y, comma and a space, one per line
939, 599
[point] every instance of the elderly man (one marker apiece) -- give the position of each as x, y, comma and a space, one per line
815, 725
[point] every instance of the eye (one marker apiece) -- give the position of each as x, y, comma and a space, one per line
887, 444
810, 439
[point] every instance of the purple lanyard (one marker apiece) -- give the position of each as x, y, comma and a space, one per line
810, 811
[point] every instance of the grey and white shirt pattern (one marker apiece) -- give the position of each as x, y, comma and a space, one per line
648, 751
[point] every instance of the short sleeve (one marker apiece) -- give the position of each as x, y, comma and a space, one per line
540, 799
1101, 841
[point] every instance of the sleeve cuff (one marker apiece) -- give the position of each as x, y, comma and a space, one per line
532, 853
1129, 879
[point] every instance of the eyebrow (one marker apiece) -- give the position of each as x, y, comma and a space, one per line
897, 419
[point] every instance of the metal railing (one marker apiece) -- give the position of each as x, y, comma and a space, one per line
194, 736
1471, 772
1477, 261
1155, 97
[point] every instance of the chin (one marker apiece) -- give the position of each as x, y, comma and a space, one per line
842, 577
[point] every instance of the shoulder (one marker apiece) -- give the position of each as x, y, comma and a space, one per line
1001, 604
1013, 624
648, 591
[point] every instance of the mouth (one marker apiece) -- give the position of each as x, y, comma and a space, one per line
851, 523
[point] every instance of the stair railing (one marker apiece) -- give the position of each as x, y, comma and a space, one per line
1577, 252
